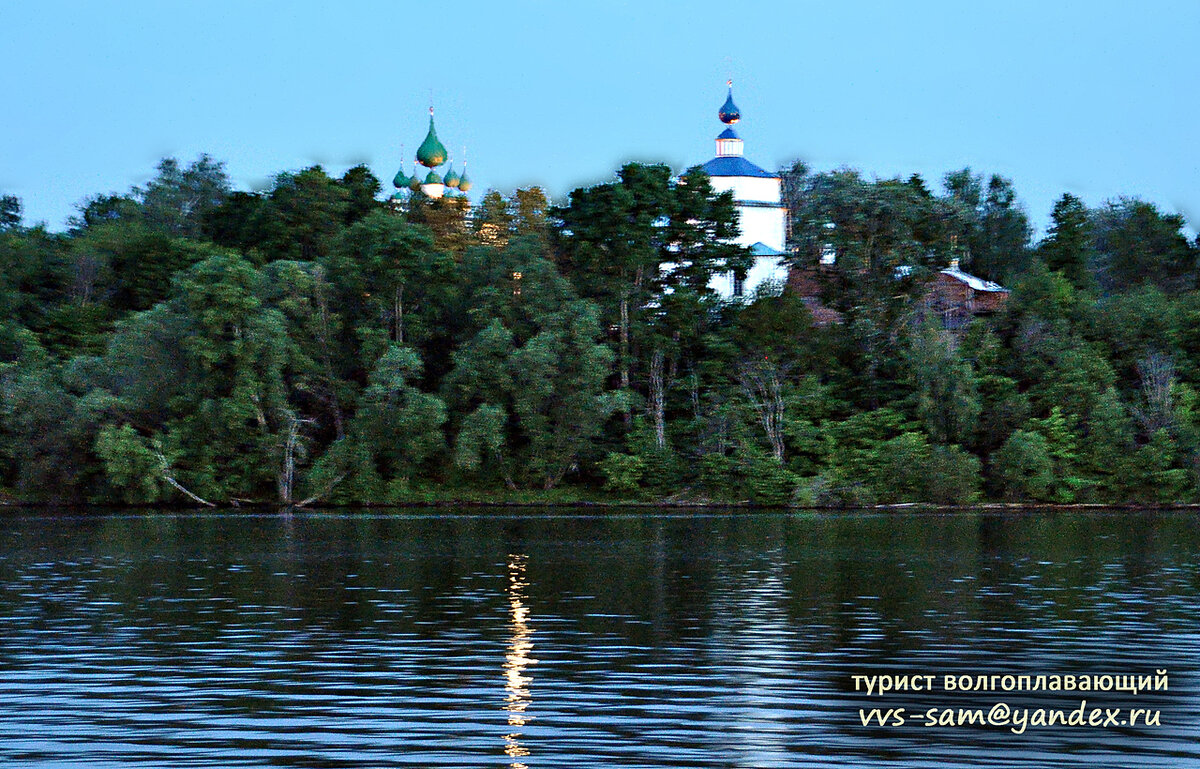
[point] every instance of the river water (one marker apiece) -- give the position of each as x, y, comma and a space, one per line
524, 640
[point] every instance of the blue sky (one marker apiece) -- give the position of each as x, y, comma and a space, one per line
1096, 98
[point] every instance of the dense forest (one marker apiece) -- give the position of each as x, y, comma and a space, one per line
185, 343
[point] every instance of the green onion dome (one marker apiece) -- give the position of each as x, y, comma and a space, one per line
433, 178
431, 153
414, 182
398, 195
452, 179
400, 181
729, 113
464, 182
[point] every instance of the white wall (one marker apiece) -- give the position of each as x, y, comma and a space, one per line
758, 189
762, 225
766, 269
766, 224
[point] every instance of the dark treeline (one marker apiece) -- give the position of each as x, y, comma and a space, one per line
185, 342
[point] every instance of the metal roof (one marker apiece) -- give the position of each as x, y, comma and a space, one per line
762, 249
735, 166
978, 284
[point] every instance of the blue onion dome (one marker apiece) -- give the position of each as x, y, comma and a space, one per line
397, 195
452, 179
432, 152
729, 113
464, 182
433, 178
414, 182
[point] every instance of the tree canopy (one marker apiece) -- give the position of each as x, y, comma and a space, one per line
187, 343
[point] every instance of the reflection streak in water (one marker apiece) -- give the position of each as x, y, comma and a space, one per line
516, 660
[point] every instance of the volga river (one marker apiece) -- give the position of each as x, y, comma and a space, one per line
524, 640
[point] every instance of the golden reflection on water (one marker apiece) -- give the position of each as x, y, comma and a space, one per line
516, 660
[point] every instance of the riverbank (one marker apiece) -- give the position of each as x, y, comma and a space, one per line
535, 501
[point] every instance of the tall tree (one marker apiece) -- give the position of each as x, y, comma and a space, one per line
362, 188
10, 212
388, 271
531, 212
104, 209
177, 200
492, 221
1136, 243
305, 215
529, 386
1067, 247
559, 397
995, 230
945, 388
235, 430
397, 428
633, 242
317, 378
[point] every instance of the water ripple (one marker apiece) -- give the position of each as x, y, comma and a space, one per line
715, 641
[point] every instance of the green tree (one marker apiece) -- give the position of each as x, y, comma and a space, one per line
945, 388
10, 212
885, 238
873, 228
177, 200
130, 465
398, 428
318, 381
854, 455
1061, 444
103, 209
1156, 475
362, 190
531, 211
897, 468
241, 222
447, 220
493, 220
1134, 324
994, 230
390, 274
235, 430
618, 237
1024, 467
304, 215
1107, 449
481, 442
529, 386
559, 397
128, 265
1068, 247
1136, 243
479, 390
35, 273
952, 476
1003, 406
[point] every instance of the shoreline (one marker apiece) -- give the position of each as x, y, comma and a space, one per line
608, 506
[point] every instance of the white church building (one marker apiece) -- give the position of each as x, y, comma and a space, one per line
762, 217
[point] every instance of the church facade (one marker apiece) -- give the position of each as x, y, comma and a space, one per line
762, 217
954, 296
